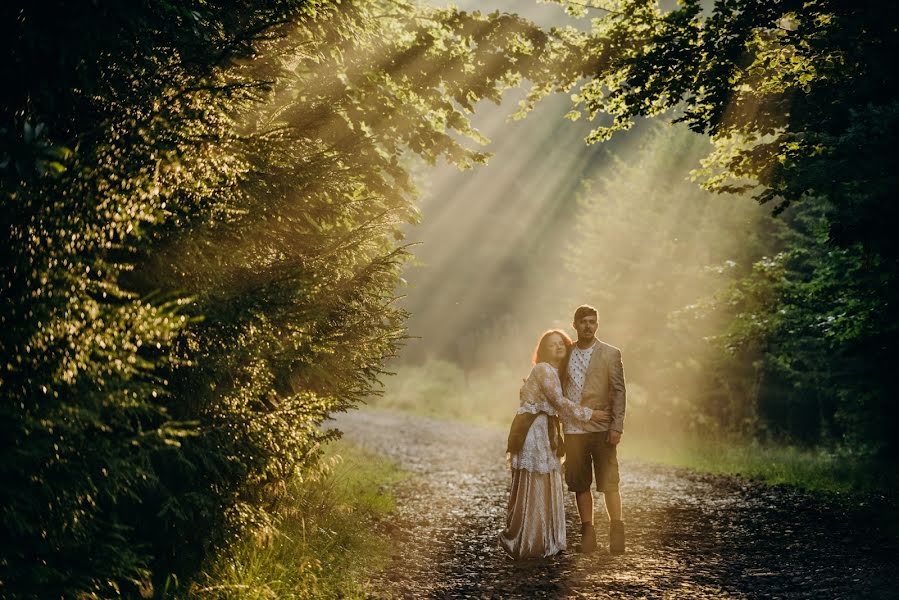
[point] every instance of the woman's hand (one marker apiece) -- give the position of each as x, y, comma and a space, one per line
600, 416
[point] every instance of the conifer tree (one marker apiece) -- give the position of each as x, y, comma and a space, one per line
202, 205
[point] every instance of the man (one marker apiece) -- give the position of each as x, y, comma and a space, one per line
594, 377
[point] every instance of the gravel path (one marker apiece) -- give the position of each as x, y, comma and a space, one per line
689, 535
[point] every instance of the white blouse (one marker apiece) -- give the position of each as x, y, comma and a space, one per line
542, 392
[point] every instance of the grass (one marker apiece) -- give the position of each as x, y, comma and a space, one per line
441, 389
326, 541
812, 469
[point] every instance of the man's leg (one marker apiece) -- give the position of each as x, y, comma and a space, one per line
607, 478
585, 506
579, 477
584, 502
579, 473
613, 505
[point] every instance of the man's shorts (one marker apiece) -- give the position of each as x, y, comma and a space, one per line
589, 453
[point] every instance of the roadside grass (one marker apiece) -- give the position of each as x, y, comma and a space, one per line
812, 469
441, 389
326, 540
865, 489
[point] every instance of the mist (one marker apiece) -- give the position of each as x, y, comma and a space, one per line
510, 249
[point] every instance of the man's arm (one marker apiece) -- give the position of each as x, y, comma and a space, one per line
618, 392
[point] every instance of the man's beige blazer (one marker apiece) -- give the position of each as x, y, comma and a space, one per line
604, 387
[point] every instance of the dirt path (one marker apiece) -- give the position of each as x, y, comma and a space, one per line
689, 535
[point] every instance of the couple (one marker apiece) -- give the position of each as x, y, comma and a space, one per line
578, 387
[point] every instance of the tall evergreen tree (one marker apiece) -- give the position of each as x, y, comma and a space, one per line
201, 203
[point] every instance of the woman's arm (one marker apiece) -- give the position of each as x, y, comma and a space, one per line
552, 389
526, 399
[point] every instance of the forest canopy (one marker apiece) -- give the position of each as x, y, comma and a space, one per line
203, 212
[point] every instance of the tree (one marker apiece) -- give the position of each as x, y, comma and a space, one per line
202, 205
800, 100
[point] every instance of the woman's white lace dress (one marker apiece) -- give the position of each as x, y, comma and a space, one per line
535, 516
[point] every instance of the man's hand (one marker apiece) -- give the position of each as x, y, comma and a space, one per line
614, 437
599, 416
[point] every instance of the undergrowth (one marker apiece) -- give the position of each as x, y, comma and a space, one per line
326, 542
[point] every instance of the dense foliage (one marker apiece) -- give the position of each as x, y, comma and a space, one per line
201, 205
800, 100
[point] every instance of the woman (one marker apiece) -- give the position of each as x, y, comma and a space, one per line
535, 516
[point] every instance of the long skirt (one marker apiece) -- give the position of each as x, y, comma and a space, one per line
535, 516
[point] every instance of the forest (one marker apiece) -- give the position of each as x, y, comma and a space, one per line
209, 216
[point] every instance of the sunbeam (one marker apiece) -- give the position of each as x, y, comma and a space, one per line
509, 249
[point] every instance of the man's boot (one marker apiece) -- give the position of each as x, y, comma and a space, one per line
616, 537
588, 538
